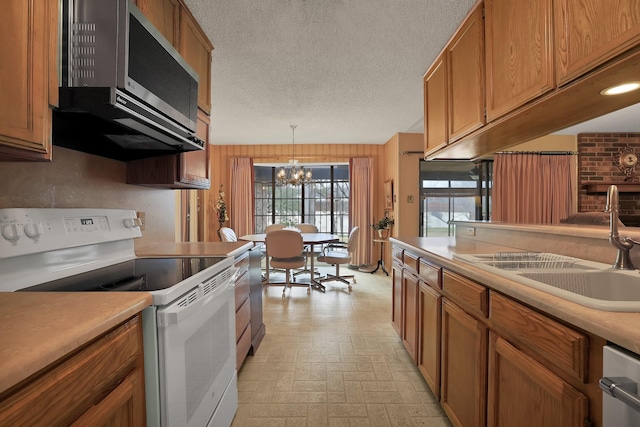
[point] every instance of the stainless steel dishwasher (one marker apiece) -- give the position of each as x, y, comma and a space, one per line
621, 375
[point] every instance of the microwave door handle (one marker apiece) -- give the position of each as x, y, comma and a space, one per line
623, 389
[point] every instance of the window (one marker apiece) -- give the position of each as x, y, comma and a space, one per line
453, 191
324, 202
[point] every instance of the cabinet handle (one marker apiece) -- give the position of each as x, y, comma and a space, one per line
621, 388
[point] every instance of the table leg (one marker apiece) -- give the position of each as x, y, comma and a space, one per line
315, 282
381, 260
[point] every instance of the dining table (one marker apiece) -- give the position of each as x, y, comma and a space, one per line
310, 239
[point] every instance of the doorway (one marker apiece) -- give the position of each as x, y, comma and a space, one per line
453, 190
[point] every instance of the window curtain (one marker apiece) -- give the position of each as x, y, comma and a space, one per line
360, 209
241, 195
532, 188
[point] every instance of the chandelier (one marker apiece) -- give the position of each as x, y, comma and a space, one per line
294, 174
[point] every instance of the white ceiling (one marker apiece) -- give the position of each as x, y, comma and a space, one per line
343, 71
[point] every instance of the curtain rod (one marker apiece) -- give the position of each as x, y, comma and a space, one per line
548, 153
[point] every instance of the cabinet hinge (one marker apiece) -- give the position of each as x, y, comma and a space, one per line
588, 422
482, 10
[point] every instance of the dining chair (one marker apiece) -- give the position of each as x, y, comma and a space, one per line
271, 227
306, 228
340, 253
285, 250
228, 235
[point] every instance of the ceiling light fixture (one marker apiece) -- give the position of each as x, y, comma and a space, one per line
619, 89
295, 175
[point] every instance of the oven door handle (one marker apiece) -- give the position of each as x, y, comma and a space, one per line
623, 389
178, 311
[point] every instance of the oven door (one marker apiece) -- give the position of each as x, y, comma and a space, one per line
197, 355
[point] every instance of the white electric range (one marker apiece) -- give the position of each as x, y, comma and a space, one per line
188, 332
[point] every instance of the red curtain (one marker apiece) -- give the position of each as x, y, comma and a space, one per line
360, 209
241, 195
532, 188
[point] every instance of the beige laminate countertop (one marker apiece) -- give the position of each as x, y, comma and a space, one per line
38, 328
622, 328
194, 249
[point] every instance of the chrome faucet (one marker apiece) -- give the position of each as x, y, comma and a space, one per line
624, 244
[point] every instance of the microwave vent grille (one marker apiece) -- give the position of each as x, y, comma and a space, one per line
84, 50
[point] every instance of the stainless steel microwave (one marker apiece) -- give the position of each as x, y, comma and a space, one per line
125, 91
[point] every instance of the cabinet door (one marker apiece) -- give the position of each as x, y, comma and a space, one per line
164, 15
396, 298
429, 326
465, 60
196, 49
519, 53
522, 392
195, 168
464, 367
28, 48
590, 32
121, 407
410, 313
435, 106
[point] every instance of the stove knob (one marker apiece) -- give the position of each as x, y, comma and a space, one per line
33, 229
11, 232
132, 222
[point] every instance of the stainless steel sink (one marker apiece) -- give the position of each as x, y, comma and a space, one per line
588, 283
612, 290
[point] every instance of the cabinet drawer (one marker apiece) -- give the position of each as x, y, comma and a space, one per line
243, 316
411, 261
62, 394
242, 288
471, 296
430, 274
242, 347
397, 253
547, 339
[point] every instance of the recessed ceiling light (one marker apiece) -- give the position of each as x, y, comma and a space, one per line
623, 88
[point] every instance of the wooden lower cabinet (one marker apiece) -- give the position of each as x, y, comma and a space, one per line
410, 313
429, 326
464, 367
522, 392
243, 308
100, 385
396, 298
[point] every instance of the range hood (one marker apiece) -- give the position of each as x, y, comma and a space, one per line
93, 120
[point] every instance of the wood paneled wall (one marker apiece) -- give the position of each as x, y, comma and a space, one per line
316, 153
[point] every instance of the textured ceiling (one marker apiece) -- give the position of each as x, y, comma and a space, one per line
343, 71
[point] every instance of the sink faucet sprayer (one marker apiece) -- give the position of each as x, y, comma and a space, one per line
624, 244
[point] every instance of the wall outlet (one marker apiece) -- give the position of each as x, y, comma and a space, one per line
142, 219
471, 231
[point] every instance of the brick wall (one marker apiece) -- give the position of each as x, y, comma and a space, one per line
597, 154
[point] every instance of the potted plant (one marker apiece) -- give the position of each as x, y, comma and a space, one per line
383, 226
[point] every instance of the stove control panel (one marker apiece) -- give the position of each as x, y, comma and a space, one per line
33, 230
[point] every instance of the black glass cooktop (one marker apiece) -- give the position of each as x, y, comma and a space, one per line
140, 274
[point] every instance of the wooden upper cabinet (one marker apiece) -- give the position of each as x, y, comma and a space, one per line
164, 15
195, 48
465, 60
435, 106
519, 53
29, 81
590, 32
